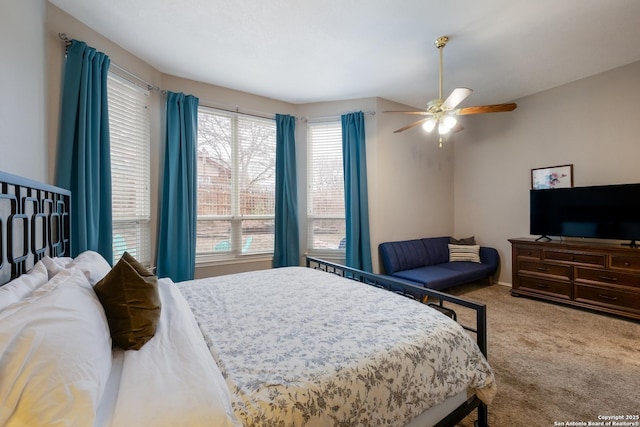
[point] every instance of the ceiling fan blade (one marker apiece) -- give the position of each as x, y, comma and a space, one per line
458, 95
421, 113
411, 125
481, 109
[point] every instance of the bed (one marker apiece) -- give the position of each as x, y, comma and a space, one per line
320, 345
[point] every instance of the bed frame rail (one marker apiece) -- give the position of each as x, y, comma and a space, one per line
446, 303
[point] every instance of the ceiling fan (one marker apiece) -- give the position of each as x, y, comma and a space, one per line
440, 113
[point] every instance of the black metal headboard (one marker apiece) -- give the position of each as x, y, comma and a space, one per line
34, 222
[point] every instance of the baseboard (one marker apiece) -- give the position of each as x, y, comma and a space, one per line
503, 284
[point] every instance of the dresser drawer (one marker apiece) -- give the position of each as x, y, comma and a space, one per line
578, 258
607, 297
607, 277
537, 267
545, 286
625, 262
529, 253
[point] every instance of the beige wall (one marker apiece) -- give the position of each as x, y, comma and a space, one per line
22, 89
591, 123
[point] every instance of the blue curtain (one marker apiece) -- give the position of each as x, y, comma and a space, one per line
356, 203
287, 235
177, 229
84, 159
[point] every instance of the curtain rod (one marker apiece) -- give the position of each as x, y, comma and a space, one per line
211, 104
320, 119
149, 86
237, 109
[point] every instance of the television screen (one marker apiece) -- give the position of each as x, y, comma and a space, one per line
604, 212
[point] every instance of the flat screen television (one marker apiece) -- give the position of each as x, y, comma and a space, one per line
602, 212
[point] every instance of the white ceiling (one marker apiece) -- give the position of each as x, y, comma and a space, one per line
303, 51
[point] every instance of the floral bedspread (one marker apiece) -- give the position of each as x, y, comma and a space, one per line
300, 347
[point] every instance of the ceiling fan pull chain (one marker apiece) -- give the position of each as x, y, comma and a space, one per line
441, 79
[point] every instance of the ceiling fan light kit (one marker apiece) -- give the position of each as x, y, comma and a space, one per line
440, 112
429, 124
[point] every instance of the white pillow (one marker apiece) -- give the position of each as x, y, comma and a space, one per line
55, 355
464, 253
23, 286
92, 264
56, 264
175, 359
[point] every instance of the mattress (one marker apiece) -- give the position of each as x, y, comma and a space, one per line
300, 347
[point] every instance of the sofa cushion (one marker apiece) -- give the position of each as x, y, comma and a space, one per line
437, 249
410, 254
446, 275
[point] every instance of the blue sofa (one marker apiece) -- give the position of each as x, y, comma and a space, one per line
426, 262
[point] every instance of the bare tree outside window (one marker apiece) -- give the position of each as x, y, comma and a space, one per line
236, 183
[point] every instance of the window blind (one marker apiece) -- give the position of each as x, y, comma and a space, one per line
129, 128
325, 195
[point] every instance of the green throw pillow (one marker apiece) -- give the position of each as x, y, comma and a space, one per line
129, 295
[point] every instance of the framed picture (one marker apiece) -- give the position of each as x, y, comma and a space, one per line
552, 177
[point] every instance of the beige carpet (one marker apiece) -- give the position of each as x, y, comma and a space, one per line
556, 364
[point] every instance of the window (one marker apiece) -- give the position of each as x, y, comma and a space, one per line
325, 203
129, 128
236, 184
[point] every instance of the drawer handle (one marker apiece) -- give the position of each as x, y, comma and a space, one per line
611, 279
542, 286
542, 269
627, 263
607, 297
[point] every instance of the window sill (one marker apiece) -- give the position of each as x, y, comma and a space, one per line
335, 256
217, 260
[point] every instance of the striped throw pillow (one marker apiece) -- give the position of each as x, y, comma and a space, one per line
464, 253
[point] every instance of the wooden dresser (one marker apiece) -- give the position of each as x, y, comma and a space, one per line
603, 277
